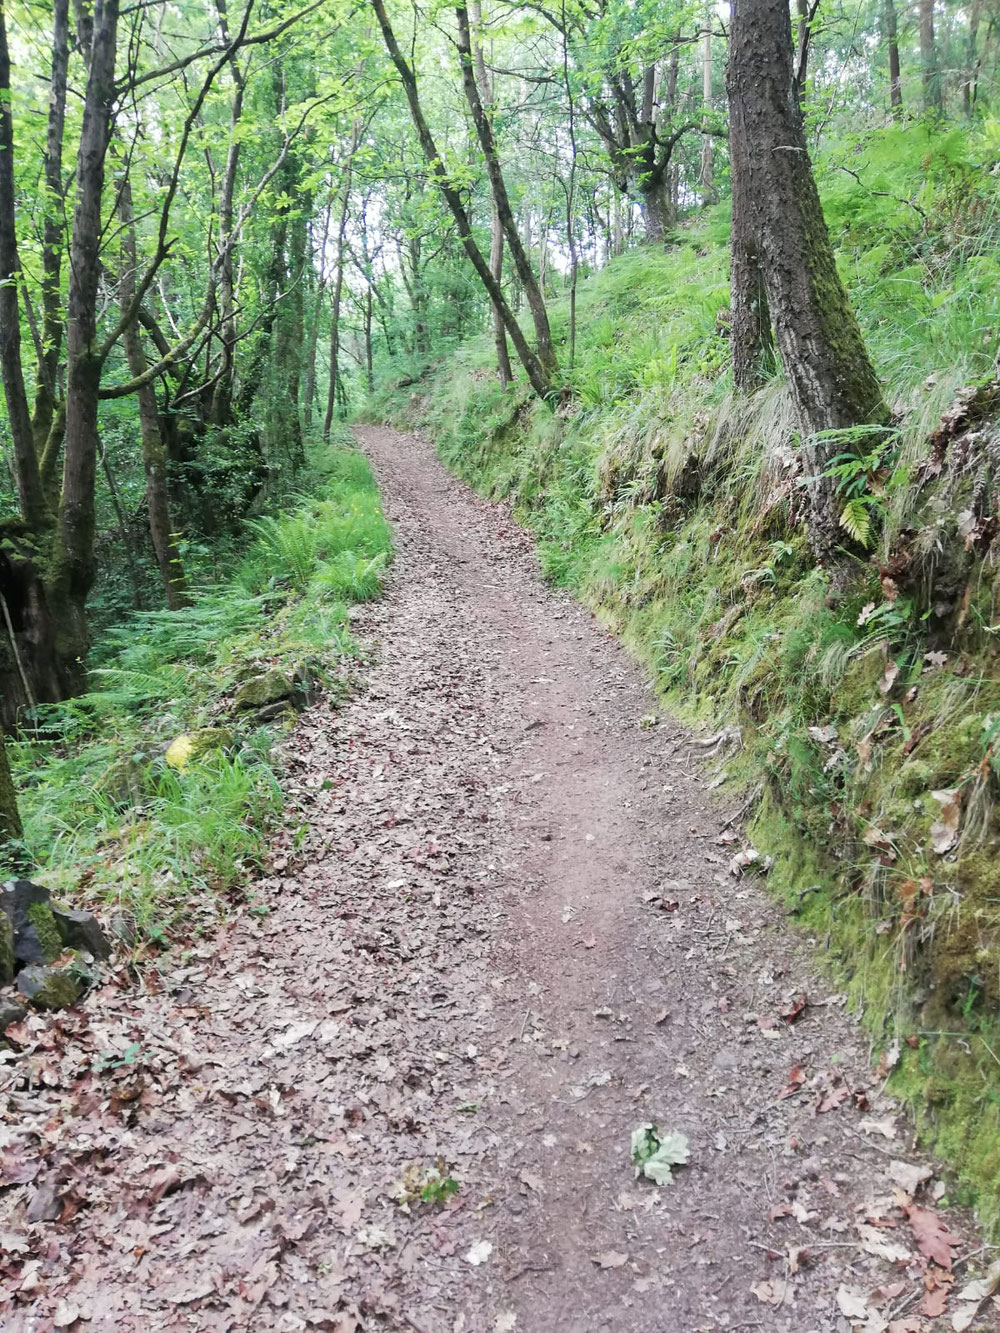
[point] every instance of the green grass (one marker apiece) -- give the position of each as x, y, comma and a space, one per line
107, 820
673, 509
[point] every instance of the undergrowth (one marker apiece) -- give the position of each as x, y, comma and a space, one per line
674, 510
109, 817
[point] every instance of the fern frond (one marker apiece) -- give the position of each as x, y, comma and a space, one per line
856, 521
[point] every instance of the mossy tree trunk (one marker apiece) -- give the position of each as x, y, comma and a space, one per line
830, 375
10, 818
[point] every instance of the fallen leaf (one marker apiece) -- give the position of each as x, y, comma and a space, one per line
886, 1126
478, 1253
974, 1294
852, 1303
944, 831
908, 1176
796, 1078
874, 1242
610, 1259
794, 1009
775, 1291
832, 1098
743, 860
888, 677
934, 1302
66, 1315
934, 1240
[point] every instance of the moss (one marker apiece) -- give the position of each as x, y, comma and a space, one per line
267, 688
40, 916
50, 987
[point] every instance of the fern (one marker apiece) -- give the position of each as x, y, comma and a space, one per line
856, 520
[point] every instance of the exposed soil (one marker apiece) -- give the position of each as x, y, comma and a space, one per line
508, 935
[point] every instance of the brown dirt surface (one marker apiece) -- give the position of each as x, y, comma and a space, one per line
508, 935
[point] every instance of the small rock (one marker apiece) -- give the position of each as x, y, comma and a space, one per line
81, 930
280, 711
10, 1012
264, 689
123, 928
50, 987
17, 896
730, 1057
122, 782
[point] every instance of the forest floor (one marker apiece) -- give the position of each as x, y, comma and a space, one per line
510, 935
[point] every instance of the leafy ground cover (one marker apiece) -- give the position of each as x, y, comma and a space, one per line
153, 794
868, 724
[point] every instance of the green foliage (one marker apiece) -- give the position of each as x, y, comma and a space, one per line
101, 805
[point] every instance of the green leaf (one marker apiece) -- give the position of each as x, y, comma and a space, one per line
653, 1153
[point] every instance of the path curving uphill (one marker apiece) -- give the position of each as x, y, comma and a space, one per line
512, 938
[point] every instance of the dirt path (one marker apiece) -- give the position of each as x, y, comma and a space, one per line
511, 938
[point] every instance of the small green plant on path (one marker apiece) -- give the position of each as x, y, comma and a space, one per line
654, 1153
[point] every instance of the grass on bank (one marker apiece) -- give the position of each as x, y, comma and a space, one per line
674, 510
107, 819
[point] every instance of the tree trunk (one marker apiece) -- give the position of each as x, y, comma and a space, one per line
501, 202
709, 194
34, 509
335, 386
52, 237
309, 396
751, 340
802, 50
154, 450
973, 61
892, 42
831, 378
369, 360
929, 73
658, 212
504, 372
74, 564
10, 818
538, 377
220, 410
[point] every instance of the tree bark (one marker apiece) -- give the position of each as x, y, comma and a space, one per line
309, 395
709, 194
74, 562
53, 239
10, 818
973, 61
537, 375
892, 43
335, 388
751, 339
31, 497
929, 73
831, 378
504, 372
154, 450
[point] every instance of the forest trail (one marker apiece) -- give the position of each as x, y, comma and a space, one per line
510, 936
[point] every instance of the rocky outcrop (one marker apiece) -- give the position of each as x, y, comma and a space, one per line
35, 934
